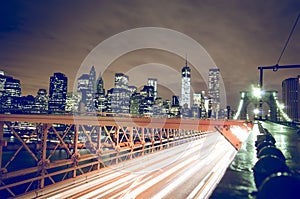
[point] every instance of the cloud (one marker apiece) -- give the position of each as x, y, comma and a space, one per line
40, 38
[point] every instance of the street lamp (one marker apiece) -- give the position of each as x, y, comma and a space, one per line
256, 92
256, 112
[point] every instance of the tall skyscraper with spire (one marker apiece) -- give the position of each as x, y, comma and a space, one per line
186, 86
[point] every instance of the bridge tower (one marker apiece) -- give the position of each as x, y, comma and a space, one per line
269, 98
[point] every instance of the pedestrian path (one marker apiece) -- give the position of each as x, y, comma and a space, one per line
238, 181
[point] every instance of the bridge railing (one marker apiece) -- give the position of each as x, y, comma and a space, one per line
40, 150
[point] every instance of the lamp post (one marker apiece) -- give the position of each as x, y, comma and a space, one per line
257, 93
261, 76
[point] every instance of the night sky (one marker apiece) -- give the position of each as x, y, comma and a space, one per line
38, 38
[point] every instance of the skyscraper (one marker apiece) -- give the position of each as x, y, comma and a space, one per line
92, 80
41, 101
121, 81
2, 83
291, 97
186, 86
10, 92
12, 87
153, 82
197, 99
72, 102
175, 107
119, 97
100, 98
86, 85
91, 90
214, 90
83, 87
57, 93
132, 89
100, 85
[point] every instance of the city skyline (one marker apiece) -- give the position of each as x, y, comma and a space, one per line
84, 78
90, 96
238, 36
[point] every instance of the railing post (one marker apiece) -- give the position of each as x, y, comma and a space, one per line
1, 142
168, 138
143, 140
131, 143
99, 146
152, 139
75, 150
118, 143
44, 154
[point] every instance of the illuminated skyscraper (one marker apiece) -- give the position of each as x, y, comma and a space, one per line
291, 97
147, 102
91, 90
197, 99
118, 100
57, 93
214, 90
100, 98
92, 80
12, 87
186, 86
132, 89
41, 101
72, 102
121, 81
135, 103
175, 107
83, 87
2, 84
153, 82
119, 97
87, 87
100, 85
10, 92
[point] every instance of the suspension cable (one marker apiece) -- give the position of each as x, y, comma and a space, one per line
287, 41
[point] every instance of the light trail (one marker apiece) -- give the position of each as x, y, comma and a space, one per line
189, 170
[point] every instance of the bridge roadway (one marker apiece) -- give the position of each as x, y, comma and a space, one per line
190, 170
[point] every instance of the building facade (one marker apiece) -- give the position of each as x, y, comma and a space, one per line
153, 82
121, 81
90, 105
57, 93
186, 87
291, 97
214, 90
10, 94
83, 87
41, 101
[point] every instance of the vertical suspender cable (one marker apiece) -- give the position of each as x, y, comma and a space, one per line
287, 41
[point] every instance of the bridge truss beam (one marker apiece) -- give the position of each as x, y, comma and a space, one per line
62, 147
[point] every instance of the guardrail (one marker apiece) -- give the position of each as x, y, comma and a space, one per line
106, 141
273, 178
